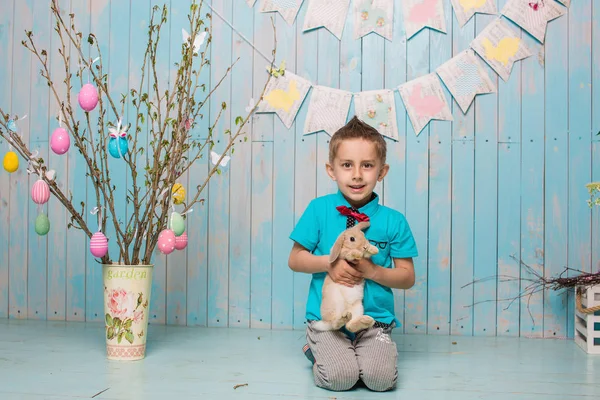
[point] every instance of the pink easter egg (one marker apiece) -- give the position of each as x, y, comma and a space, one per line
40, 192
166, 241
98, 244
88, 97
60, 141
181, 241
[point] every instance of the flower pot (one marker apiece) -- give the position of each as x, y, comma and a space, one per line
126, 307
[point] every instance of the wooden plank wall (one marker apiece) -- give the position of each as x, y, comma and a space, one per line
503, 182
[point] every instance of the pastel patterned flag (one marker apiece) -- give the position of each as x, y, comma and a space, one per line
378, 109
251, 2
419, 14
287, 8
533, 15
284, 96
465, 77
424, 100
500, 47
330, 14
465, 9
327, 111
373, 16
567, 3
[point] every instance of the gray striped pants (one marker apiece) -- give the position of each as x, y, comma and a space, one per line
340, 361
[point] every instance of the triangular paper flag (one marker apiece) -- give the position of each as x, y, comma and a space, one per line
328, 110
500, 47
465, 9
424, 100
378, 109
465, 77
284, 95
419, 14
373, 16
533, 15
329, 14
251, 2
287, 8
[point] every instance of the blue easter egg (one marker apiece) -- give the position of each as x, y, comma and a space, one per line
122, 146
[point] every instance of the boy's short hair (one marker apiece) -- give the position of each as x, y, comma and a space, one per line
357, 129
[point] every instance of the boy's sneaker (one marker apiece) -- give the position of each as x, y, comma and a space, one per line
308, 353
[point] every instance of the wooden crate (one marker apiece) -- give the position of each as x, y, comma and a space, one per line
587, 326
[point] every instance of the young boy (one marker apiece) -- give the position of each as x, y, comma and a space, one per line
357, 155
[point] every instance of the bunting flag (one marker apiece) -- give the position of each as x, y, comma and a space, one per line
419, 14
424, 100
327, 111
377, 108
373, 16
500, 47
465, 9
533, 15
284, 96
251, 2
329, 14
465, 77
566, 3
287, 8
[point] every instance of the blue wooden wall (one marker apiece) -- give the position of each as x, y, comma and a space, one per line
505, 180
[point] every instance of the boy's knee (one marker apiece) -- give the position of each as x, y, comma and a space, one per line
379, 378
337, 378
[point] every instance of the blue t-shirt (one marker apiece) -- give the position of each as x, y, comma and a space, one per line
321, 224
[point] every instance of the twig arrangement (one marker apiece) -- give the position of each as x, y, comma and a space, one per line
169, 115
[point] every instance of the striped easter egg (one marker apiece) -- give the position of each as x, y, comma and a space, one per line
98, 244
181, 241
40, 192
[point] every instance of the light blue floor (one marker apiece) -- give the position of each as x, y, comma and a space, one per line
57, 360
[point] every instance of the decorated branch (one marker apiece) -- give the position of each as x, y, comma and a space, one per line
103, 137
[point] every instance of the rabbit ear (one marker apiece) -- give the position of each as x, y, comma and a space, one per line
363, 225
337, 248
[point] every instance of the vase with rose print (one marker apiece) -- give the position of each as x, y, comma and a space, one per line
126, 306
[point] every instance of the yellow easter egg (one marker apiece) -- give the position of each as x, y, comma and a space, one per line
178, 193
11, 161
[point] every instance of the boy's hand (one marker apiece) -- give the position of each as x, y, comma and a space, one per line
366, 267
344, 273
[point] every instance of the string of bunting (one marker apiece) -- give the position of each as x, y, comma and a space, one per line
499, 45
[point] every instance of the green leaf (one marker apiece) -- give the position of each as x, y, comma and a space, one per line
110, 333
127, 324
120, 337
108, 319
238, 120
129, 336
117, 322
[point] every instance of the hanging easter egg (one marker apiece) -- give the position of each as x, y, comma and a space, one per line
178, 193
181, 241
60, 141
40, 192
88, 97
98, 245
166, 241
42, 224
117, 145
177, 224
11, 161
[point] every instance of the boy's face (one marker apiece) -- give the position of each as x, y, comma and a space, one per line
357, 169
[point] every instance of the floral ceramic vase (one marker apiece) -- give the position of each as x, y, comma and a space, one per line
126, 307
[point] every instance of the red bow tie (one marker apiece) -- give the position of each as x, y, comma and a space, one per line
360, 217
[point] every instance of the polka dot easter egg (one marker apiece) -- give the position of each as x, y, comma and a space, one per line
88, 97
60, 141
181, 241
166, 241
40, 192
98, 245
11, 162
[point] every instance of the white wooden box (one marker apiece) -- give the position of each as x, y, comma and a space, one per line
587, 326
